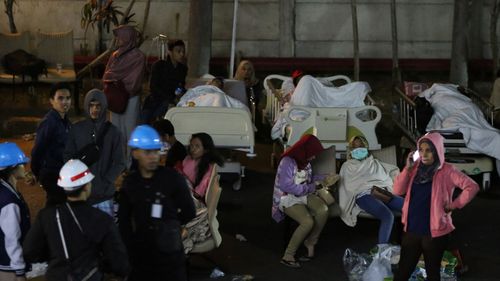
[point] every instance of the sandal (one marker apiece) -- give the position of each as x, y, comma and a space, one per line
292, 264
306, 258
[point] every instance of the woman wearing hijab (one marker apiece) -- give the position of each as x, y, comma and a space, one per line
246, 73
358, 177
125, 72
429, 183
294, 195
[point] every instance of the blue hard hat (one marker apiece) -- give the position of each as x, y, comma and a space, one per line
145, 137
11, 155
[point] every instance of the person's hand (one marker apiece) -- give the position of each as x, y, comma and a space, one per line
448, 208
409, 160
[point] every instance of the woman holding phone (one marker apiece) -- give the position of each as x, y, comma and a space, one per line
428, 183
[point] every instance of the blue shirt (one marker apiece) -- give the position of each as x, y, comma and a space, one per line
51, 137
419, 210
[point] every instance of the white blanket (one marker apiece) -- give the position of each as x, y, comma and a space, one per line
359, 177
311, 92
207, 95
454, 111
314, 92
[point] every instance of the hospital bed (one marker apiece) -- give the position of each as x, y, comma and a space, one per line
332, 125
456, 152
230, 128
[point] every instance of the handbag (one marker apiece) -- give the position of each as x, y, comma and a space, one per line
117, 96
382, 194
325, 194
90, 153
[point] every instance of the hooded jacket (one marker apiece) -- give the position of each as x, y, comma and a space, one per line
112, 157
444, 181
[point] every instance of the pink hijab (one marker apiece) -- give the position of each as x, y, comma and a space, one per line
128, 62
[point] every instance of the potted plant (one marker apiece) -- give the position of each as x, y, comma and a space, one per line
102, 13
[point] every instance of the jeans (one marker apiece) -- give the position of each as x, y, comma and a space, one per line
381, 211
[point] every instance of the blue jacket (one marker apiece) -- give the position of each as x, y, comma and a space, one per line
51, 136
14, 224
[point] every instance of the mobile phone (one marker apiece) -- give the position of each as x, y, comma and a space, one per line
415, 156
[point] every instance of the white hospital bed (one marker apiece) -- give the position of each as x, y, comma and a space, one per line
332, 125
230, 128
456, 152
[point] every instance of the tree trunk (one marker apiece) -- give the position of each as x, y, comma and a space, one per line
200, 37
355, 39
10, 14
396, 73
458, 67
493, 37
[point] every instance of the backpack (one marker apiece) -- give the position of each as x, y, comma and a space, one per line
20, 62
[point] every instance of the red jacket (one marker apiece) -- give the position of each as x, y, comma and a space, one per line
445, 179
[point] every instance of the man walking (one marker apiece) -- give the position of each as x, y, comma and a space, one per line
110, 162
154, 202
51, 136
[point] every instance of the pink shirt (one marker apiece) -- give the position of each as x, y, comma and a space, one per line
190, 168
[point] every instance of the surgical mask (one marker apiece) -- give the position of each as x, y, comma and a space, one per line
359, 153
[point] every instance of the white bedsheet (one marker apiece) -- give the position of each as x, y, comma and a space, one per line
456, 112
208, 95
311, 92
314, 92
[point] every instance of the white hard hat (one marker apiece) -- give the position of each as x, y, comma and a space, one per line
73, 175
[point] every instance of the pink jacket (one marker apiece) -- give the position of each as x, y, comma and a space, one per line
446, 178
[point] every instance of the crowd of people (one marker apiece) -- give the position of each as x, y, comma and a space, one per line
162, 211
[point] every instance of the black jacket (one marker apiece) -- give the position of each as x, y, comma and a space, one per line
165, 78
100, 238
51, 136
140, 231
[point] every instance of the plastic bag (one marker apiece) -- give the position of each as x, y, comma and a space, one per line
380, 267
355, 264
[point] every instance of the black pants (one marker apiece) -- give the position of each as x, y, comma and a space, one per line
159, 267
412, 246
54, 193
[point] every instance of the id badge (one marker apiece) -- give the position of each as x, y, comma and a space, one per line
156, 210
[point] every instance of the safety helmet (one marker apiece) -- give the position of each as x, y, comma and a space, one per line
73, 175
11, 155
145, 137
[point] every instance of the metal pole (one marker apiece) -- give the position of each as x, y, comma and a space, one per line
233, 40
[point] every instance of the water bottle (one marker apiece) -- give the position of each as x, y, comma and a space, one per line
179, 91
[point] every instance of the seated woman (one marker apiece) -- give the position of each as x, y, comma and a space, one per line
210, 94
197, 168
360, 175
294, 195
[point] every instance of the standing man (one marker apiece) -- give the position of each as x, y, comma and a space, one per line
123, 76
75, 239
176, 150
167, 76
111, 160
154, 202
51, 137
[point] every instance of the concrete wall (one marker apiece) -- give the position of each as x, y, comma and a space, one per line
280, 28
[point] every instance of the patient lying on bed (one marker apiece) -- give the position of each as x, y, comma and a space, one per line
210, 95
312, 92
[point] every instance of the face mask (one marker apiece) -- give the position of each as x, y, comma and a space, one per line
359, 153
